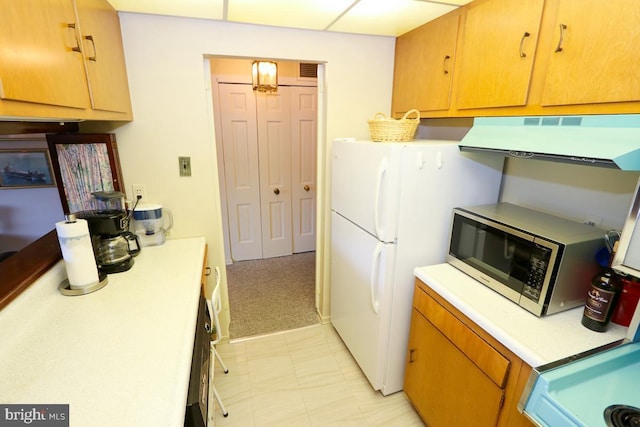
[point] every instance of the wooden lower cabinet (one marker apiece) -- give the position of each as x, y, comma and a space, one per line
456, 374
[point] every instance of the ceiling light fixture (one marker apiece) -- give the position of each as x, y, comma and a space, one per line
265, 76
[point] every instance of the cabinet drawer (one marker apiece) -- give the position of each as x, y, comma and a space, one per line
481, 353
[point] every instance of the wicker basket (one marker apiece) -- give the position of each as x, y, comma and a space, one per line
386, 129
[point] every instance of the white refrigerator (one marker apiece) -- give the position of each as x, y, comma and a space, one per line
391, 212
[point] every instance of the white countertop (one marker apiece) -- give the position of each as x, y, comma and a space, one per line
536, 340
120, 356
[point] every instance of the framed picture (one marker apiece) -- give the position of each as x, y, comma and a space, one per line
84, 163
26, 168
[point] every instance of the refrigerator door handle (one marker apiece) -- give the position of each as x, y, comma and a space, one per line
375, 304
382, 170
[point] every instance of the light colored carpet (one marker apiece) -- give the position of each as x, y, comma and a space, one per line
271, 295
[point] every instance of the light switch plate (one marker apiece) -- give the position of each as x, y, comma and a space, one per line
185, 166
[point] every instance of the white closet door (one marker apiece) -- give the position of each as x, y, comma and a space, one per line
242, 181
303, 168
274, 136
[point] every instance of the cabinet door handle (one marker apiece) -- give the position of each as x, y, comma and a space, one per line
559, 47
76, 48
93, 43
524, 36
207, 271
444, 64
306, 188
411, 351
276, 191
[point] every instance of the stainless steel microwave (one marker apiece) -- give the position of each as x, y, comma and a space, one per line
540, 261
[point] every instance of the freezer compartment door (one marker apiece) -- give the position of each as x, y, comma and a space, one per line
365, 185
361, 281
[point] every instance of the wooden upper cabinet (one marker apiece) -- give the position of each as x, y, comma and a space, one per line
498, 49
62, 59
596, 56
103, 55
424, 64
40, 58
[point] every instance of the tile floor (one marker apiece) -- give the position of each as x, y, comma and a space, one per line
304, 377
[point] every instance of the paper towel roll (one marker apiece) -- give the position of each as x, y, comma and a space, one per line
77, 253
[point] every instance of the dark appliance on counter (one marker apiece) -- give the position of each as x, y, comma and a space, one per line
113, 245
540, 261
88, 163
197, 399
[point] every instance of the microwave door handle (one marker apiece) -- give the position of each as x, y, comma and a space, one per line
377, 253
382, 169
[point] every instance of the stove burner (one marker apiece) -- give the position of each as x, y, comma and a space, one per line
622, 416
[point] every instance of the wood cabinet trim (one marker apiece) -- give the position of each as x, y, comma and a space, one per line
518, 373
205, 272
479, 351
465, 320
442, 379
20, 270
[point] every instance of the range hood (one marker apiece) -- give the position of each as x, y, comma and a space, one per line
611, 141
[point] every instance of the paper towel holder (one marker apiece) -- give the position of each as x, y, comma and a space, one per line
65, 286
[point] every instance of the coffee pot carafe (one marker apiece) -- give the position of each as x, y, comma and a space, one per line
151, 222
113, 245
115, 253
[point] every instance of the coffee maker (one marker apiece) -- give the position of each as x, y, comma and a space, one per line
113, 245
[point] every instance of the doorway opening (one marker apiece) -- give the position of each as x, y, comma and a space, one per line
267, 163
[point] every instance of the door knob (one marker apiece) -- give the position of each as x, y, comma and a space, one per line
276, 191
306, 188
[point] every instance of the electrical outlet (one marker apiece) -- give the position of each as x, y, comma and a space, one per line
138, 191
593, 221
185, 166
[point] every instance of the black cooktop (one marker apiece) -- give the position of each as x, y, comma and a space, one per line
622, 416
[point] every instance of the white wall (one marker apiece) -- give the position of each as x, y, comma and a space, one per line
171, 107
578, 192
575, 191
165, 66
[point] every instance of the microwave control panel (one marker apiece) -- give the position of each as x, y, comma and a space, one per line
538, 265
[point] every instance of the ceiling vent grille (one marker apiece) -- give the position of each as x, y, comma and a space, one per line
553, 121
308, 70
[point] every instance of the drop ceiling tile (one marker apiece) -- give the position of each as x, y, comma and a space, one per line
308, 14
207, 9
378, 17
389, 18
